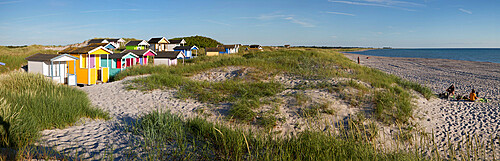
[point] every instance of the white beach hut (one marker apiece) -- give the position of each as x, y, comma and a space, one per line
53, 66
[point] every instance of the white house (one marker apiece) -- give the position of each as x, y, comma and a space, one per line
174, 43
53, 66
168, 57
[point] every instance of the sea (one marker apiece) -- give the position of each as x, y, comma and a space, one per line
470, 54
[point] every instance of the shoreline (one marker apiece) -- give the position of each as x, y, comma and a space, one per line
449, 119
352, 52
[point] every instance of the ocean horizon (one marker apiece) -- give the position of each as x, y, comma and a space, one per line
491, 55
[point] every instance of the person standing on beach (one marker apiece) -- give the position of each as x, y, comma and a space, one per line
451, 90
472, 96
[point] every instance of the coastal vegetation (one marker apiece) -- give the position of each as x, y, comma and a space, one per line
30, 103
393, 104
199, 41
13, 56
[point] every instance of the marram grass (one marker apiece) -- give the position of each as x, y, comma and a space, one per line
30, 103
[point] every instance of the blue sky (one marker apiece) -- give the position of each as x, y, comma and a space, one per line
370, 23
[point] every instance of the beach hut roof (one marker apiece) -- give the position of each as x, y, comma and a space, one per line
182, 41
136, 43
100, 44
139, 52
116, 40
185, 48
157, 40
97, 41
228, 46
255, 46
217, 49
119, 55
169, 54
48, 57
82, 50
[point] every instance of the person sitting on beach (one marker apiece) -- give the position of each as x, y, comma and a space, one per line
472, 96
451, 90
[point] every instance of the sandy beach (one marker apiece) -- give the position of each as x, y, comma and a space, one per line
450, 118
447, 119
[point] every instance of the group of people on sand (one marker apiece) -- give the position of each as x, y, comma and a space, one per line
473, 95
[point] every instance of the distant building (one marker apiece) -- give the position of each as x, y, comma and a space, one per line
230, 49
188, 50
287, 46
108, 46
137, 45
175, 43
158, 44
214, 51
255, 47
168, 57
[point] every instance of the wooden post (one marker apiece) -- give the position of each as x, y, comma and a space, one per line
358, 59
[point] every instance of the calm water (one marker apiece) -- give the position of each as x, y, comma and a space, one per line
481, 55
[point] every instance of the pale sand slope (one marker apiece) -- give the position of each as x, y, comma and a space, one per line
458, 118
95, 139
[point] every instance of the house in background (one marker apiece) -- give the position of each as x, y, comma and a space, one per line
230, 49
117, 42
158, 44
187, 50
88, 67
214, 51
118, 62
287, 46
256, 47
92, 41
108, 46
137, 45
175, 43
144, 56
53, 66
168, 57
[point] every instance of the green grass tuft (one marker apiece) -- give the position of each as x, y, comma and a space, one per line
31, 103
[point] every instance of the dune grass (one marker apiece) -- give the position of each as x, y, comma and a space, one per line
13, 57
192, 139
393, 103
30, 103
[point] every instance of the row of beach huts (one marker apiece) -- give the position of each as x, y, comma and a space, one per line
102, 59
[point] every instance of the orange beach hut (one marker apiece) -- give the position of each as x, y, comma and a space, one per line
88, 67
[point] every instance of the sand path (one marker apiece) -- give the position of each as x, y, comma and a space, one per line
447, 118
96, 139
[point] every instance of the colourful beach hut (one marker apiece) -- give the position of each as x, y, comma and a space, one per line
145, 56
88, 67
187, 50
53, 66
118, 62
137, 45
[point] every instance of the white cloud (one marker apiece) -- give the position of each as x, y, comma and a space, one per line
465, 11
402, 5
109, 10
217, 22
341, 13
302, 23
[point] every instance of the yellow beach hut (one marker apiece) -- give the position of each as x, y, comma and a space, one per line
88, 67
